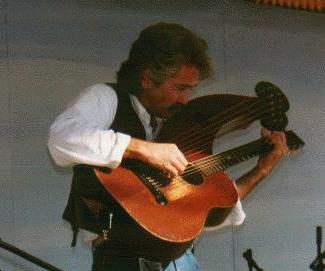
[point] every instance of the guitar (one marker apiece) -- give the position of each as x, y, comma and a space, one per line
165, 216
176, 211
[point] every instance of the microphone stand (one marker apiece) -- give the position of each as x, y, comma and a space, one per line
317, 264
248, 255
28, 256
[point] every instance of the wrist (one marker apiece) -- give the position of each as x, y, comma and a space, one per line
247, 182
135, 149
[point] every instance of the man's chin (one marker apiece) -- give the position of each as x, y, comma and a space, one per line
169, 112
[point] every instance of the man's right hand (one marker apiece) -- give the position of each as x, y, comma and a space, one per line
164, 156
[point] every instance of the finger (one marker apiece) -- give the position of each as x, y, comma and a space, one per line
277, 138
180, 167
179, 155
280, 147
181, 158
283, 143
284, 138
170, 170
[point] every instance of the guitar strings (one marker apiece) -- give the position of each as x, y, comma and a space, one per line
231, 125
214, 119
214, 159
209, 160
192, 137
229, 113
203, 143
204, 164
198, 137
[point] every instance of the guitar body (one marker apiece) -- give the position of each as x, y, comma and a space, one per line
187, 209
164, 232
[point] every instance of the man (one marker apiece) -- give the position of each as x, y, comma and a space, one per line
107, 124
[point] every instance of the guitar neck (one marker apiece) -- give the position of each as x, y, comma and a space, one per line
220, 162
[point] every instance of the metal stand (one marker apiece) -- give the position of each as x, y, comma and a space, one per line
28, 256
248, 255
317, 264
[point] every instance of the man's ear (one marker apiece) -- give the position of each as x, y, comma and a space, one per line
145, 79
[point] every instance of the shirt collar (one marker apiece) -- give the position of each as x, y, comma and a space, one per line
142, 112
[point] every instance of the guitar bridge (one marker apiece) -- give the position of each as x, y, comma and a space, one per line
150, 177
153, 185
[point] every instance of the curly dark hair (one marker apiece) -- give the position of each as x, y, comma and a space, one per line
162, 49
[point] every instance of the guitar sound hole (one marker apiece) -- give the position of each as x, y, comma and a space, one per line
193, 175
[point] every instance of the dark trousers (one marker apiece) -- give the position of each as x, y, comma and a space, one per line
103, 261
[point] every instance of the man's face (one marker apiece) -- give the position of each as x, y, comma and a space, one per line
167, 98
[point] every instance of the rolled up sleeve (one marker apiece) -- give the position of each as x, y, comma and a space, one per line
82, 134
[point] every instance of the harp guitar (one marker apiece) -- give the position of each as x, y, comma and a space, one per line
168, 214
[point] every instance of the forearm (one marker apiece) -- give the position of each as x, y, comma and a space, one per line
247, 182
265, 165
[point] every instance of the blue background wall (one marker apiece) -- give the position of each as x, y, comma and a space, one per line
50, 50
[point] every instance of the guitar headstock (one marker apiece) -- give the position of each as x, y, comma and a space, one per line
273, 104
293, 141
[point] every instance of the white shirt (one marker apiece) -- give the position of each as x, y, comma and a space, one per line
81, 134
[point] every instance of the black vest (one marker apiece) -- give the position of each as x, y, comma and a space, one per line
89, 204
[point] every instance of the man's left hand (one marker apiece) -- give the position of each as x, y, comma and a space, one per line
267, 162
